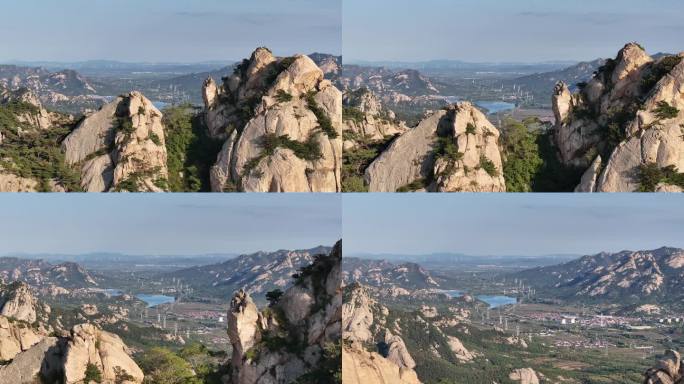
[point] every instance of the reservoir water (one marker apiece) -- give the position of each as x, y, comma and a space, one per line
493, 300
493, 107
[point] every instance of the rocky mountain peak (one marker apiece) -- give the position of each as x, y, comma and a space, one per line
282, 122
454, 149
624, 126
120, 147
308, 314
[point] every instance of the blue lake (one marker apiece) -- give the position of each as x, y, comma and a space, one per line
493, 107
154, 300
493, 300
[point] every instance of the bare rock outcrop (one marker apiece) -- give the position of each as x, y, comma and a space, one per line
363, 367
17, 302
282, 122
357, 315
43, 358
16, 337
88, 344
453, 150
308, 314
630, 116
524, 376
668, 370
121, 147
392, 363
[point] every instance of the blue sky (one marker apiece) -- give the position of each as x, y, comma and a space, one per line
511, 224
507, 30
167, 224
166, 30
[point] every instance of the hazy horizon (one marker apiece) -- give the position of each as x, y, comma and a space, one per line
510, 224
524, 31
166, 224
173, 31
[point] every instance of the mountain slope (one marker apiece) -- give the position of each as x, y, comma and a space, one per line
256, 273
625, 277
41, 274
386, 275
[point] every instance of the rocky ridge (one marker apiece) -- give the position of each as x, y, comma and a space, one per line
632, 277
297, 336
255, 273
625, 125
453, 150
282, 124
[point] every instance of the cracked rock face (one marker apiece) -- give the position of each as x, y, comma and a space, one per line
276, 98
121, 147
453, 150
628, 116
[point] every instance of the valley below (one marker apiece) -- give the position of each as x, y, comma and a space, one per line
493, 321
167, 320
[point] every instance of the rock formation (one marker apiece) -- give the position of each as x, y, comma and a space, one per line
297, 335
365, 119
21, 320
282, 124
37, 116
363, 367
88, 345
453, 150
626, 118
668, 370
393, 364
524, 376
121, 147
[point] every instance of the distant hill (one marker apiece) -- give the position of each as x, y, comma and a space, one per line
626, 277
384, 274
541, 85
256, 273
41, 274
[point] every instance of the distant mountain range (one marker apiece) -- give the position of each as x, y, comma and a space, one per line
41, 274
626, 277
74, 87
256, 273
387, 275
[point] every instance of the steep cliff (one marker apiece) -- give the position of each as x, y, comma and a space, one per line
626, 123
453, 150
298, 336
282, 124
